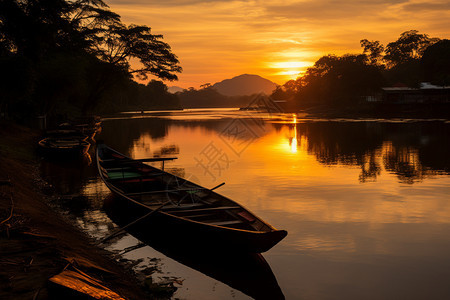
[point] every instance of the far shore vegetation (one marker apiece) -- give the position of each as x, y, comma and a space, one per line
351, 85
67, 58
348, 82
61, 58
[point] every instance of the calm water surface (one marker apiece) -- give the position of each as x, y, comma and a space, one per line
366, 202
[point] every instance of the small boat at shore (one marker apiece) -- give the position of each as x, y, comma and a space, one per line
68, 130
66, 134
64, 147
177, 209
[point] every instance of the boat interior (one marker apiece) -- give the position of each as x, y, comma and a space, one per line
178, 197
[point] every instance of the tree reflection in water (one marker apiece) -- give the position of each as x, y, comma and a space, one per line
412, 151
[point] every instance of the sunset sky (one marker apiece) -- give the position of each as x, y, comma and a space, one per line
278, 40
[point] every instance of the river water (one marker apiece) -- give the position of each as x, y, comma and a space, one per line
366, 203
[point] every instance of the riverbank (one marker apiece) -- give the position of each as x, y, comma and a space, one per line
36, 243
380, 110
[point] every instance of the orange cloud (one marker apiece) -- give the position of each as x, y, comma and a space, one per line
215, 40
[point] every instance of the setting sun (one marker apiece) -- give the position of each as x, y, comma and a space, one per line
290, 75
289, 69
289, 65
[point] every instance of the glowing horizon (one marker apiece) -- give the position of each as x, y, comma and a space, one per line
277, 40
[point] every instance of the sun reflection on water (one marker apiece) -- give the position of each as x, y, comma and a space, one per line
293, 141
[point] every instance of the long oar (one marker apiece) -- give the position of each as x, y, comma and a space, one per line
145, 216
216, 187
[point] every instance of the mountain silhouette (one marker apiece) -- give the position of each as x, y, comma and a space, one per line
174, 89
245, 84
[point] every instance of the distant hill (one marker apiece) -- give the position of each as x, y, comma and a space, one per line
209, 97
174, 89
245, 84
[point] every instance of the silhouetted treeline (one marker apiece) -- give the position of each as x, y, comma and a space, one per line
61, 57
343, 81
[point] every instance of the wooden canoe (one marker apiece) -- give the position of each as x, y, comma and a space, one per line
67, 130
64, 147
191, 214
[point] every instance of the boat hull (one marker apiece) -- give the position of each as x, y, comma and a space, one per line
187, 232
248, 272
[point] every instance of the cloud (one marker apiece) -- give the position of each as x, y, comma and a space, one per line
426, 6
221, 37
328, 10
162, 3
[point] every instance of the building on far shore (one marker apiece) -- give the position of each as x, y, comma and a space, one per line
426, 93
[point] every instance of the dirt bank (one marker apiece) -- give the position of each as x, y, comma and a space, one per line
34, 241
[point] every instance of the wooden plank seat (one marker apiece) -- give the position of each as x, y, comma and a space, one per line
208, 209
188, 191
122, 175
118, 169
208, 214
130, 175
226, 223
125, 168
178, 207
137, 180
124, 160
146, 170
247, 216
140, 169
115, 155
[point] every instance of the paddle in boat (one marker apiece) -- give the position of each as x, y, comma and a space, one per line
165, 205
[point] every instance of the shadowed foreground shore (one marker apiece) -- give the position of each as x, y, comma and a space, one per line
36, 243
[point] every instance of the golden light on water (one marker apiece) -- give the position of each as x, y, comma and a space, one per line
294, 142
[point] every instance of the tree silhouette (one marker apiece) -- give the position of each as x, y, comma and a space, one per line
121, 43
435, 63
339, 80
206, 85
87, 39
374, 51
408, 47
